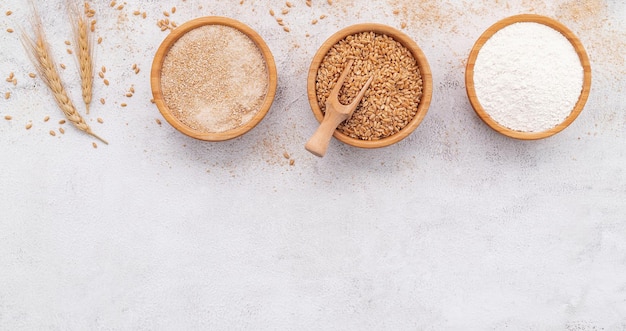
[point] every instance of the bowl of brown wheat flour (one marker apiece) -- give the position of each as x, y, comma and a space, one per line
213, 78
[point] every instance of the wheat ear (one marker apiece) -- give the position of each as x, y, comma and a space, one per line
83, 42
39, 53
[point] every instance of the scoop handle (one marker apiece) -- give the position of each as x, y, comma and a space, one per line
318, 143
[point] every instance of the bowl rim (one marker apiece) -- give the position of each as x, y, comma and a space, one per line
406, 41
172, 38
580, 51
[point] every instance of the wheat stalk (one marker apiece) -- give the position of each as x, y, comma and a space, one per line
41, 57
83, 41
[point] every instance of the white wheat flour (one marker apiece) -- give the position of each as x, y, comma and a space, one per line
528, 77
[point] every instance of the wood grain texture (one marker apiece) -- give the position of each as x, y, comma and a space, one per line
170, 40
406, 41
571, 37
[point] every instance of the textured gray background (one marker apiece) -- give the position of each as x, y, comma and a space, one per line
456, 227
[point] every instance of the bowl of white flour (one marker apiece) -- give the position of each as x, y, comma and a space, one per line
528, 77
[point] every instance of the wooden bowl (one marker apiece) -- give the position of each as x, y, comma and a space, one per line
407, 42
170, 40
571, 37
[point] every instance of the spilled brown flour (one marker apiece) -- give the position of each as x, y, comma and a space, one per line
591, 20
605, 43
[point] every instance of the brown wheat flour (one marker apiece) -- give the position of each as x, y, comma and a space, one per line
214, 79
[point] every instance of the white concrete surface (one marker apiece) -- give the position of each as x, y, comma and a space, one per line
454, 228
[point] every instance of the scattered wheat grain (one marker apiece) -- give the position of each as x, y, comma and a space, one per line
89, 12
62, 130
28, 125
52, 133
9, 30
31, 75
8, 117
100, 120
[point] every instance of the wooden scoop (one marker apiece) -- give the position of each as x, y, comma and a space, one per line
334, 115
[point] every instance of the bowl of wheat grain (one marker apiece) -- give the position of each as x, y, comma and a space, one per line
213, 78
398, 97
